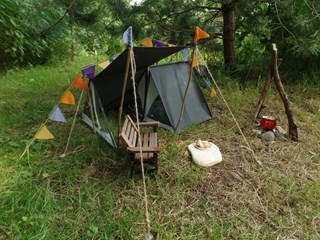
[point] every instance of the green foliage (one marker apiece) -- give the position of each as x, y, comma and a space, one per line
296, 30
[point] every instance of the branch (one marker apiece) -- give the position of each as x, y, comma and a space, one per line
194, 8
276, 7
61, 18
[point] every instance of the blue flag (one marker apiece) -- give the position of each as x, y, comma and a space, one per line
115, 56
207, 83
185, 53
56, 115
127, 36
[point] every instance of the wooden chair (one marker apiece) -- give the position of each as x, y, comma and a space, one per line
149, 142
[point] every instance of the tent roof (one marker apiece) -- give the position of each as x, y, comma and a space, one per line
109, 81
171, 82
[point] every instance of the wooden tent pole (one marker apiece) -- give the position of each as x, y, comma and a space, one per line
187, 88
90, 102
73, 122
123, 92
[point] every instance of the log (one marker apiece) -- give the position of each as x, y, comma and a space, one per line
293, 129
264, 93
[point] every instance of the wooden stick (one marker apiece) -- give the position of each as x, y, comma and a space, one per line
90, 102
123, 92
293, 129
73, 122
187, 88
264, 93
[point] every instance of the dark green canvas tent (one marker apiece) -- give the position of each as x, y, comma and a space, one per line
160, 91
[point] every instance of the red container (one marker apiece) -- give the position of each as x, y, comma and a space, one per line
268, 123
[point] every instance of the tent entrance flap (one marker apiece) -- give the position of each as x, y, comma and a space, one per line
96, 119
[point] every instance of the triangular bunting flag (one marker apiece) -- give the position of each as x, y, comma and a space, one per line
127, 36
104, 64
207, 83
68, 98
200, 34
79, 82
56, 115
89, 71
115, 56
185, 53
194, 62
158, 43
213, 92
147, 42
202, 72
43, 133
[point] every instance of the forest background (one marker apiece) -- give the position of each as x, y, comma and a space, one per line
35, 32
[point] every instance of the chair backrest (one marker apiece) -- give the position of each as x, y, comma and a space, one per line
129, 132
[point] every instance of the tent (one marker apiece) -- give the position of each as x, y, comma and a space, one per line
161, 89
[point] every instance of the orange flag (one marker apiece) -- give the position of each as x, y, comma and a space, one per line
200, 34
147, 42
43, 133
79, 82
213, 92
104, 64
194, 61
68, 98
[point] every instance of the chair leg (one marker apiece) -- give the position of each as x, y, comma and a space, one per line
132, 165
156, 162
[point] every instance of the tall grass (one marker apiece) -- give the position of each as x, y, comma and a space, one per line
90, 194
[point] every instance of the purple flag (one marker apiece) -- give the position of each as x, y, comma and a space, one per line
207, 83
202, 72
185, 53
56, 115
127, 37
89, 71
158, 43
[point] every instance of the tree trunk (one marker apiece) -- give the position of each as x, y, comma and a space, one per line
228, 36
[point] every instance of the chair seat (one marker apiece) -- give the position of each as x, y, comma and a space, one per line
149, 142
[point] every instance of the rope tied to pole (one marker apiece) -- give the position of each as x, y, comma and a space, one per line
229, 109
133, 72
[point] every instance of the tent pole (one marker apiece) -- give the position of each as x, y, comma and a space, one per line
90, 102
123, 92
187, 88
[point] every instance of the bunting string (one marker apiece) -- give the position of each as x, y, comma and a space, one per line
227, 105
67, 98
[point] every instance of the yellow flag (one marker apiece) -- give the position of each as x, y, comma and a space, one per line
200, 34
194, 61
213, 92
43, 133
147, 42
104, 64
68, 98
79, 82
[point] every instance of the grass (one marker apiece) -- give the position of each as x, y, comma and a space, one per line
90, 194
